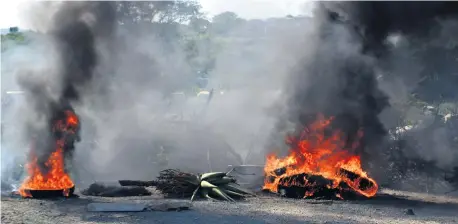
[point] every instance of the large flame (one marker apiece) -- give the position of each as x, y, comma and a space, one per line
55, 177
315, 153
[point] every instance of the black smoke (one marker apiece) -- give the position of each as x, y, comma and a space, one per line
376, 20
74, 31
346, 53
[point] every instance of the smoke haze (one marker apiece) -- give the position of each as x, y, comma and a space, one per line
350, 61
117, 77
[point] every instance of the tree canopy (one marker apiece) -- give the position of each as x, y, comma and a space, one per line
158, 11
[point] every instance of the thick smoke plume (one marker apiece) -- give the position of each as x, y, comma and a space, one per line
351, 51
73, 30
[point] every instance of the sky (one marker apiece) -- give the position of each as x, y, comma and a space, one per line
248, 9
257, 9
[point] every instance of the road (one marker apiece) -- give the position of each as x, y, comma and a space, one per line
389, 207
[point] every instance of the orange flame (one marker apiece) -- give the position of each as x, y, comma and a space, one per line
314, 153
55, 178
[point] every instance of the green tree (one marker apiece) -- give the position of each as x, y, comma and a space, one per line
158, 11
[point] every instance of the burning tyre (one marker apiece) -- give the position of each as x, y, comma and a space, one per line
319, 164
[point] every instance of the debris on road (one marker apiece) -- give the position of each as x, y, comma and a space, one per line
114, 190
213, 186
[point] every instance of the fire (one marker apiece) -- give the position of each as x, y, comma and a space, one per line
315, 153
56, 177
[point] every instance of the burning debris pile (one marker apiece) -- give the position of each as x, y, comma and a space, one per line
51, 178
333, 103
319, 165
339, 75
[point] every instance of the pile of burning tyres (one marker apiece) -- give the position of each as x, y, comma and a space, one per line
319, 165
50, 178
